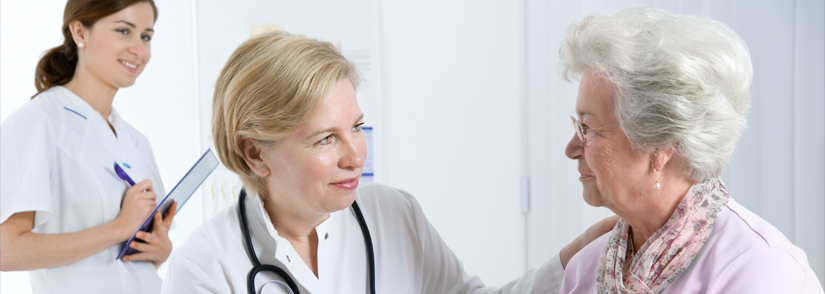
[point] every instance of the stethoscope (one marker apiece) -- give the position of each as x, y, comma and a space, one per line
257, 267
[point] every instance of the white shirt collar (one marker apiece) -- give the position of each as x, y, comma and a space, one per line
286, 254
322, 229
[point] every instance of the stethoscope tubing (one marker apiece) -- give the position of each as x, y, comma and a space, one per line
368, 243
258, 267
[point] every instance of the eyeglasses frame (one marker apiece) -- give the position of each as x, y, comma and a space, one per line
580, 130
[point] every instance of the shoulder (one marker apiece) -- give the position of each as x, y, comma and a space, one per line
56, 113
585, 262
739, 231
746, 252
374, 191
218, 234
581, 270
377, 196
208, 261
43, 110
392, 212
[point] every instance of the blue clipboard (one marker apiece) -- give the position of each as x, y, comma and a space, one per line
180, 194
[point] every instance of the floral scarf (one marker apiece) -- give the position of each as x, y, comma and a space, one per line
669, 252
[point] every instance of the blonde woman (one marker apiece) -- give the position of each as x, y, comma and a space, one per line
287, 121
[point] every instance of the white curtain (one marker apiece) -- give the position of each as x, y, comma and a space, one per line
778, 169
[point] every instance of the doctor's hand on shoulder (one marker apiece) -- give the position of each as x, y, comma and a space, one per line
138, 203
595, 231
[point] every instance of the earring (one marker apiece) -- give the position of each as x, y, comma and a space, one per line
80, 45
656, 186
262, 169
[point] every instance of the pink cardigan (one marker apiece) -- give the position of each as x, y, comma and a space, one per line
744, 254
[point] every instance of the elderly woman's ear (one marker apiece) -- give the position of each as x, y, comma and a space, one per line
252, 155
662, 155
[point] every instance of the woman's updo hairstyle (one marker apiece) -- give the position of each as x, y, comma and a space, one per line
679, 79
57, 66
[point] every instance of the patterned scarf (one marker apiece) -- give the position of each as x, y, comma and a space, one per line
670, 250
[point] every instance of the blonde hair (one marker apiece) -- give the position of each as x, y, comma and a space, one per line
269, 88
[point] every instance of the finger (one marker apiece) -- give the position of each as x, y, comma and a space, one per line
143, 185
146, 237
159, 226
147, 207
172, 211
148, 195
139, 256
142, 247
608, 223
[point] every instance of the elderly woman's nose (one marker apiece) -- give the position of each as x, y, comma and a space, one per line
574, 148
354, 155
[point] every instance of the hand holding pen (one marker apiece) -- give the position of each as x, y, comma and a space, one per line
138, 203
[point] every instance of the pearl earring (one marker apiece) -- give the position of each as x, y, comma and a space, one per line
80, 45
262, 169
656, 186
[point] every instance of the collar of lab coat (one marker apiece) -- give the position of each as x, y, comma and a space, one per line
284, 254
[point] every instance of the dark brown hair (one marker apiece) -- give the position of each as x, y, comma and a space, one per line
57, 66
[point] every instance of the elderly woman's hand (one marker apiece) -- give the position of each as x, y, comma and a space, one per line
593, 232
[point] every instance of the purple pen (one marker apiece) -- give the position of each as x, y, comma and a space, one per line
122, 174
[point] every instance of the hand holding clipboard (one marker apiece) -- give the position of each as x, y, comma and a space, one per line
179, 195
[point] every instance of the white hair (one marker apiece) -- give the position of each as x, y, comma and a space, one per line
682, 80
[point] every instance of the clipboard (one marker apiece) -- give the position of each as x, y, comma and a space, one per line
180, 194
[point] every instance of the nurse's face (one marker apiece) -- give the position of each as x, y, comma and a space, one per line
316, 169
117, 46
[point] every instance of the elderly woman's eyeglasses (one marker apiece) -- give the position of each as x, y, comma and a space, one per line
581, 129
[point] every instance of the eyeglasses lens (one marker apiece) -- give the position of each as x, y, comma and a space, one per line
577, 128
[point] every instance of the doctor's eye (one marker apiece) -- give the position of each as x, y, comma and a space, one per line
146, 37
123, 31
357, 128
326, 140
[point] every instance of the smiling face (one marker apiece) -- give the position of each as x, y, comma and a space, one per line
117, 47
316, 169
613, 174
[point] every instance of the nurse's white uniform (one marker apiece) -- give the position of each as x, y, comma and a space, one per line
410, 256
56, 158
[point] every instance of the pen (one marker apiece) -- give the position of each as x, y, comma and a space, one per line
123, 176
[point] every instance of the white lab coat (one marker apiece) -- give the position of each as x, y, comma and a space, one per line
56, 158
410, 256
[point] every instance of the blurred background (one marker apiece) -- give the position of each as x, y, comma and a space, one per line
467, 108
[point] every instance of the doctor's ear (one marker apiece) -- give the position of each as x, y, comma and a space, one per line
252, 151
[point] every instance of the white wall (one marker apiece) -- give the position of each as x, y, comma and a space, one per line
452, 101
778, 168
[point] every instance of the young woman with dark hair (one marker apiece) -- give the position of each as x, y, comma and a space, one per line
64, 213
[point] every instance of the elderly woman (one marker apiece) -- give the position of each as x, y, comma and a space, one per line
662, 101
287, 121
